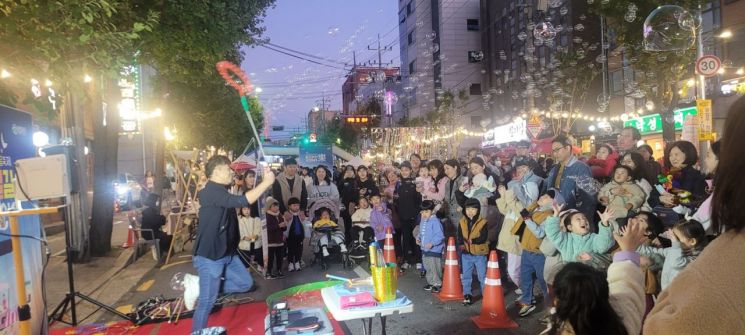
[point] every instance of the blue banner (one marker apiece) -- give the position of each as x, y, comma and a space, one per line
16, 143
314, 155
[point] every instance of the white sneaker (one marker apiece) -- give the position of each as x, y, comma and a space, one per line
291, 267
191, 290
325, 252
297, 266
343, 248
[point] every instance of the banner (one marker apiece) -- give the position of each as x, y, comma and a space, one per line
16, 143
314, 155
511, 132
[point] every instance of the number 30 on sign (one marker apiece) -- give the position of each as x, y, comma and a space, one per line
708, 65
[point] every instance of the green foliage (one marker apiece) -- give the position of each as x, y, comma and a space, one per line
61, 40
347, 135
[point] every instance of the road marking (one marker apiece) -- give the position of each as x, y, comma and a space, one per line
117, 222
172, 264
124, 309
146, 285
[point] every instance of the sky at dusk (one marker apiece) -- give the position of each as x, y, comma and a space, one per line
330, 29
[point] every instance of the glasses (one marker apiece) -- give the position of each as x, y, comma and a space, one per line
555, 150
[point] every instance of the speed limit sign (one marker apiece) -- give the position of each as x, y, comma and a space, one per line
708, 65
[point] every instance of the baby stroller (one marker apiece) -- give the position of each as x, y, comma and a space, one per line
362, 235
331, 237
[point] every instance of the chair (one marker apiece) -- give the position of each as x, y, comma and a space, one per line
154, 243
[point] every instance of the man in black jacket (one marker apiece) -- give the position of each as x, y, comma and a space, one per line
217, 239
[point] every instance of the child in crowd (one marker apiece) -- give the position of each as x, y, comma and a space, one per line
380, 218
295, 235
603, 162
586, 301
474, 245
481, 185
432, 241
363, 211
325, 222
528, 228
275, 226
577, 239
688, 241
622, 194
249, 247
424, 183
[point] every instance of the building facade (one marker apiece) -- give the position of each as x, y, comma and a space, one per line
440, 46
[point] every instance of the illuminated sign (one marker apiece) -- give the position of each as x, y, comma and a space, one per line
511, 132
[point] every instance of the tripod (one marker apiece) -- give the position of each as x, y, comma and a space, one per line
69, 300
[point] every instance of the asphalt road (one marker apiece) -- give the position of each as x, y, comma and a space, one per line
430, 316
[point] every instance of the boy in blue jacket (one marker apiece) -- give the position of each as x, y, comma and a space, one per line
431, 239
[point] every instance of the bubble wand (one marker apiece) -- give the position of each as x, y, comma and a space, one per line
230, 72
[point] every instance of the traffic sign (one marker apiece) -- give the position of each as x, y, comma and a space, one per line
708, 65
535, 126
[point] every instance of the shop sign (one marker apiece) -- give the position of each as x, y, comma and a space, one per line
511, 132
652, 124
706, 132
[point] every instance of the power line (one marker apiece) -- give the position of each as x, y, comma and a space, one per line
307, 54
299, 57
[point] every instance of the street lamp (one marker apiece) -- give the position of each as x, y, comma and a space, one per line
258, 90
40, 139
725, 34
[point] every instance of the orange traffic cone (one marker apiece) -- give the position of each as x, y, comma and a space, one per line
493, 311
452, 288
389, 250
131, 238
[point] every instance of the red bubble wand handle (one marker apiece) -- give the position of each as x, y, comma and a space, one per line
238, 79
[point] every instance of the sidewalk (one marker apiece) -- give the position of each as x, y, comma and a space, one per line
105, 279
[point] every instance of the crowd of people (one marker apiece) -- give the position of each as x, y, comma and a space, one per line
611, 240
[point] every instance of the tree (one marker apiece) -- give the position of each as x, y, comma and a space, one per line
181, 39
657, 73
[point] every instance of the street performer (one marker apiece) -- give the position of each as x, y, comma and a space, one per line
217, 239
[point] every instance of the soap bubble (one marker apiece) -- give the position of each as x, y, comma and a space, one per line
522, 36
435, 47
669, 28
177, 281
632, 7
579, 27
601, 58
420, 23
590, 2
582, 17
604, 2
563, 11
432, 35
333, 31
544, 31
577, 39
630, 17
555, 3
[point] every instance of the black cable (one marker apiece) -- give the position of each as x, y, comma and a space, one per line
20, 185
307, 54
296, 56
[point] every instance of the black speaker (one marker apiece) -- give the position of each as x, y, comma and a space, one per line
73, 164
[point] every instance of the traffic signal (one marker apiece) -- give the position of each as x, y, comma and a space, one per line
356, 119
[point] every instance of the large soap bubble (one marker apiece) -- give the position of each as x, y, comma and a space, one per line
669, 28
544, 31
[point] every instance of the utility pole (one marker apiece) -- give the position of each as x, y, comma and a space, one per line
380, 49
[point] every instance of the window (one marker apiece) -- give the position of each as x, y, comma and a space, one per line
474, 89
412, 67
410, 38
476, 121
472, 24
401, 16
409, 8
